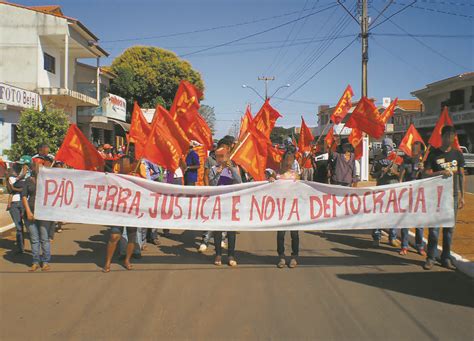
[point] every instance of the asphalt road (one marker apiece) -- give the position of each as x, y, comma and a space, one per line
470, 183
343, 289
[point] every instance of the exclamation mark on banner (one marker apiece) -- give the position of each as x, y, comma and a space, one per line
440, 192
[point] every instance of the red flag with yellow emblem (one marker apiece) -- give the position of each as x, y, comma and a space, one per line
343, 106
266, 118
252, 154
139, 130
355, 139
409, 139
77, 152
306, 137
367, 118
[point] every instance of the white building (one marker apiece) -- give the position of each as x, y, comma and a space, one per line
39, 52
457, 93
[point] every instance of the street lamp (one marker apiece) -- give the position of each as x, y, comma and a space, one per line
281, 87
245, 86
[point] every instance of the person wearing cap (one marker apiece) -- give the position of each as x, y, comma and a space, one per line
39, 234
386, 172
192, 165
223, 174
448, 162
15, 180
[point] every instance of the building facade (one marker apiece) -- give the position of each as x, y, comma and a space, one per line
457, 93
40, 49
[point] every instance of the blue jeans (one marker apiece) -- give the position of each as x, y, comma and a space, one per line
418, 238
16, 212
134, 233
433, 236
206, 237
39, 238
377, 233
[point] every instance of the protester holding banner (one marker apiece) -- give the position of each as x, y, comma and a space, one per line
222, 174
39, 234
385, 171
117, 231
286, 172
412, 169
446, 161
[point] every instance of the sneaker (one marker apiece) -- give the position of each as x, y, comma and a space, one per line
34, 267
281, 264
202, 247
218, 261
45, 267
422, 252
376, 243
293, 263
403, 251
232, 261
393, 242
428, 264
448, 264
224, 245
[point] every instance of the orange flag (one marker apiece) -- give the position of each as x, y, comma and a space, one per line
202, 153
162, 148
203, 132
274, 157
343, 106
186, 104
306, 137
330, 141
139, 130
388, 112
355, 139
444, 120
245, 124
166, 121
397, 159
367, 118
265, 119
252, 154
77, 152
410, 137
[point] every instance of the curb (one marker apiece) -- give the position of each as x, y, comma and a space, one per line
462, 264
6, 228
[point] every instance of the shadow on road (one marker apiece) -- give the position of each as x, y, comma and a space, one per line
446, 287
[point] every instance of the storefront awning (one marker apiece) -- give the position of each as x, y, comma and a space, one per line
125, 126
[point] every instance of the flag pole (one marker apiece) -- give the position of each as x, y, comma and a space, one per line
236, 149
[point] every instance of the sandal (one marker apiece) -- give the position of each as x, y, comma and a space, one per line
128, 266
106, 269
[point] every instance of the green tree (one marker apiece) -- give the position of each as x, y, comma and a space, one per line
150, 75
207, 112
279, 134
35, 127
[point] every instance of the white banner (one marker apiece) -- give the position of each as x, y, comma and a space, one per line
122, 200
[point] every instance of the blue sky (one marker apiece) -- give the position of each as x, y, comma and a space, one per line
399, 63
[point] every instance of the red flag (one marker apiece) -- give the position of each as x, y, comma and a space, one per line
330, 141
77, 152
245, 124
388, 112
252, 154
162, 148
343, 106
444, 120
165, 120
397, 159
367, 118
265, 119
410, 137
306, 137
274, 157
186, 104
204, 133
355, 139
139, 130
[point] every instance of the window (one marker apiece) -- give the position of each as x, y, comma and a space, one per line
49, 63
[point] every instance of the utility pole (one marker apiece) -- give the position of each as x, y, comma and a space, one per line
364, 33
266, 79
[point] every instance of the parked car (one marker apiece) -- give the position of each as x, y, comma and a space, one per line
469, 159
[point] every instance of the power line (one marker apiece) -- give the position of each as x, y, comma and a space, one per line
394, 14
437, 10
206, 29
424, 44
321, 69
257, 33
